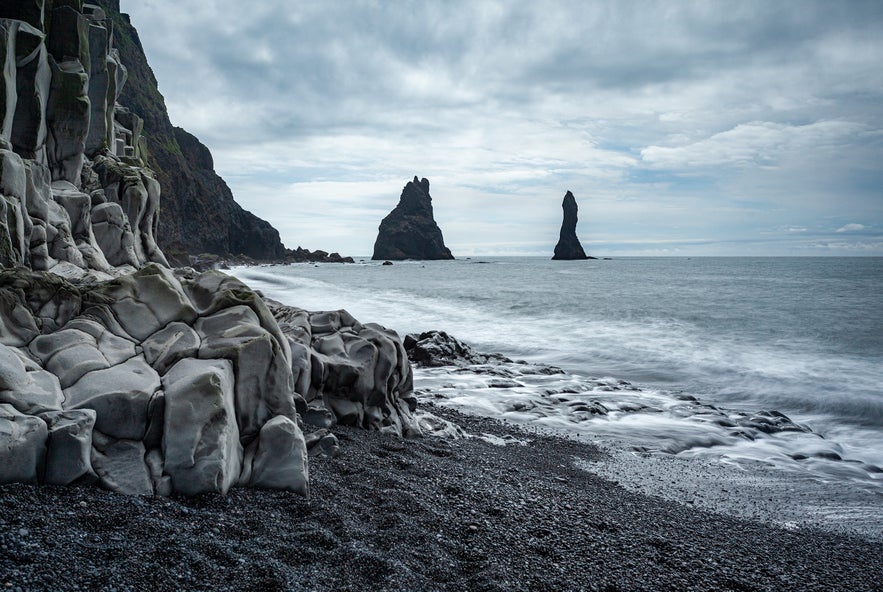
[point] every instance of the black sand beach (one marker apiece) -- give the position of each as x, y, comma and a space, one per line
423, 514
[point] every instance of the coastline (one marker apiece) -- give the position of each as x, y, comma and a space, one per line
417, 514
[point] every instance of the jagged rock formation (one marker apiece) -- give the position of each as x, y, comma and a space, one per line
568, 246
77, 199
410, 230
113, 368
156, 382
199, 212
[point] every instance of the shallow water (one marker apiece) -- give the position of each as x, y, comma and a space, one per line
704, 343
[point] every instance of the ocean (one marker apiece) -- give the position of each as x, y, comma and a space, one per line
753, 363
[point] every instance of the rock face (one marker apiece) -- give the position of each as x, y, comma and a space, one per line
410, 231
157, 382
113, 368
76, 196
199, 212
568, 246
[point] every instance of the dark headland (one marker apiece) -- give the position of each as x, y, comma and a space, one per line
569, 247
410, 231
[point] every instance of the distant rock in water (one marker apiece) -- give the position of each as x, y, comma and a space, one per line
568, 246
410, 231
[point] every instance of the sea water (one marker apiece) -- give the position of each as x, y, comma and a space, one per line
689, 357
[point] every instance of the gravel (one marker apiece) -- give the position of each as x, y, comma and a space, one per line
422, 514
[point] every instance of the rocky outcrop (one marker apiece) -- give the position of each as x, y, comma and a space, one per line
199, 212
76, 196
568, 246
410, 230
157, 382
113, 368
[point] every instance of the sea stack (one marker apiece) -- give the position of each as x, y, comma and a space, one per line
569, 247
410, 231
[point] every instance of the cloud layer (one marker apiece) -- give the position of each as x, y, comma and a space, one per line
682, 128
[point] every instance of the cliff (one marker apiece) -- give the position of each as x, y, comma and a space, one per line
409, 231
569, 247
114, 368
199, 212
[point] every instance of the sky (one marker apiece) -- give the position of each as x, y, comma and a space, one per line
682, 128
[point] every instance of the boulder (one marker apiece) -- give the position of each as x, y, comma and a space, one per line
121, 465
120, 396
569, 247
69, 454
22, 446
200, 436
410, 230
280, 459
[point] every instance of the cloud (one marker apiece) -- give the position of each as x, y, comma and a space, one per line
852, 228
677, 121
755, 144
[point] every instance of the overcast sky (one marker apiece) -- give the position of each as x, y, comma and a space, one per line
682, 128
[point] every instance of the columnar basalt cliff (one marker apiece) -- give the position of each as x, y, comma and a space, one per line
199, 212
569, 247
410, 230
114, 368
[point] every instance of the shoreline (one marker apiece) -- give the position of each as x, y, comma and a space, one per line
419, 514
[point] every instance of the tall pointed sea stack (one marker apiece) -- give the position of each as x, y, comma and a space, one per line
568, 246
410, 231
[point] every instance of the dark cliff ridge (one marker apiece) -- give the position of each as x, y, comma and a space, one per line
199, 213
410, 230
569, 247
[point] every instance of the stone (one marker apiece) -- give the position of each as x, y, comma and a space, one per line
120, 465
264, 383
69, 455
120, 395
169, 345
40, 393
13, 375
147, 301
69, 354
569, 247
361, 374
22, 446
280, 460
200, 436
410, 230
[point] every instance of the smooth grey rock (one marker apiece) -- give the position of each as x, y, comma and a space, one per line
200, 436
120, 395
69, 354
113, 348
147, 301
22, 446
69, 456
280, 461
67, 118
41, 393
264, 384
361, 373
120, 465
166, 347
113, 234
13, 375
